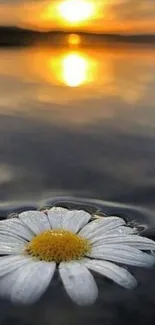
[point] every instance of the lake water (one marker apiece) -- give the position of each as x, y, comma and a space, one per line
79, 123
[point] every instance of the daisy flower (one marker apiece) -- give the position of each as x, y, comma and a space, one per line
37, 243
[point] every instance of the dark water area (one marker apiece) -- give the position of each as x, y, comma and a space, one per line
75, 124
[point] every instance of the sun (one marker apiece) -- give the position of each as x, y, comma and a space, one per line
75, 11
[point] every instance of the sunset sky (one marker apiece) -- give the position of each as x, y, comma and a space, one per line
125, 16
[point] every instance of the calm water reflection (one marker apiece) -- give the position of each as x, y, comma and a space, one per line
79, 122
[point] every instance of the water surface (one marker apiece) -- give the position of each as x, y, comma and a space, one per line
81, 123
77, 122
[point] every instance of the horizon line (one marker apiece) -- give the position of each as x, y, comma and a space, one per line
74, 31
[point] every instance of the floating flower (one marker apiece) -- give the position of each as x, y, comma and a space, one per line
33, 245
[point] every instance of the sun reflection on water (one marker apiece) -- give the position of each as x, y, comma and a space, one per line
74, 39
72, 68
71, 74
75, 69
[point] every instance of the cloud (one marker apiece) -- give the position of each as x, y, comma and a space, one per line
131, 9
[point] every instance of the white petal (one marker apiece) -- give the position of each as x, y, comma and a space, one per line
27, 283
17, 228
130, 240
55, 216
9, 238
112, 271
122, 254
13, 248
10, 263
101, 226
78, 282
37, 221
120, 231
123, 230
74, 220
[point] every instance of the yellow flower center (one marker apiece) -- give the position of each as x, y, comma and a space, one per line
58, 245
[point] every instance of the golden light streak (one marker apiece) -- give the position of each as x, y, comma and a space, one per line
72, 69
74, 39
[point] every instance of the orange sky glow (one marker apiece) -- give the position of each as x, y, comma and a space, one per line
126, 16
